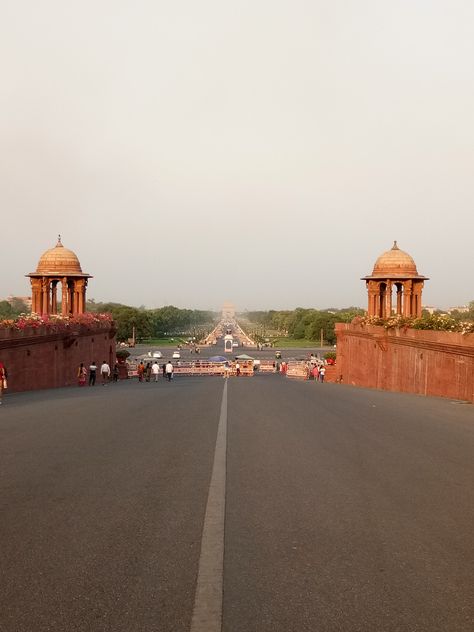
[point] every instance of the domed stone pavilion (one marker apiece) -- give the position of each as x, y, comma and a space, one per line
59, 267
394, 269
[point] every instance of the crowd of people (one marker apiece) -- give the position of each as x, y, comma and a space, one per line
149, 371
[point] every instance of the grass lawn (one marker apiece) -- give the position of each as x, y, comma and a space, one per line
295, 343
163, 342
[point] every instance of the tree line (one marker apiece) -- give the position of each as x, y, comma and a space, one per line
307, 324
301, 323
155, 323
456, 314
11, 309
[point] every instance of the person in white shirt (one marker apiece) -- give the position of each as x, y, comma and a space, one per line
105, 372
169, 371
155, 369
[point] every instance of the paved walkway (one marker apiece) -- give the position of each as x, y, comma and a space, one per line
263, 505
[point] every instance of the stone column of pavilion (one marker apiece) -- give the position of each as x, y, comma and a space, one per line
58, 267
394, 269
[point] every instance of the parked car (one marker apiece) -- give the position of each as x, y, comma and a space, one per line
176, 355
157, 354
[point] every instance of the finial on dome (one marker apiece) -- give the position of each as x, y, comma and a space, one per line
59, 244
395, 246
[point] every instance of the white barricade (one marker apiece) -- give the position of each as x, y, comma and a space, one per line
298, 369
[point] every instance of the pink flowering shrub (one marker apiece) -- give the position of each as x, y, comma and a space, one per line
56, 322
436, 322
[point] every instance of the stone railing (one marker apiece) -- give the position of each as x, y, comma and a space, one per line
45, 356
409, 360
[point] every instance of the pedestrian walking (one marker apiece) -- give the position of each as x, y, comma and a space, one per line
169, 371
322, 373
81, 374
92, 373
147, 372
155, 370
237, 369
104, 372
116, 372
140, 371
164, 370
3, 380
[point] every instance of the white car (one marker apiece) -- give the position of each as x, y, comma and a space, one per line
157, 354
235, 344
176, 355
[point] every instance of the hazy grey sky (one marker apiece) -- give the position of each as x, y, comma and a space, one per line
261, 151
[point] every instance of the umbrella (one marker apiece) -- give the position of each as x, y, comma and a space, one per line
244, 356
217, 359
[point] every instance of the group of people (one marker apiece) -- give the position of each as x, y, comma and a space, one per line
316, 369
228, 369
146, 373
90, 374
151, 371
280, 367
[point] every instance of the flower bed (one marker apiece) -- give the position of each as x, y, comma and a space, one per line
435, 322
57, 323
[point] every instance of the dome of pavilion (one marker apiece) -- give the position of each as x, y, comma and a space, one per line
395, 263
59, 261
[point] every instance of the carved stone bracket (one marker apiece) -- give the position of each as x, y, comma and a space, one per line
70, 339
381, 342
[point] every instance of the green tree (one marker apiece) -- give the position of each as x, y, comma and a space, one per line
12, 309
19, 306
6, 311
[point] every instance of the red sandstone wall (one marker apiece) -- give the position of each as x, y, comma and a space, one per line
38, 359
413, 361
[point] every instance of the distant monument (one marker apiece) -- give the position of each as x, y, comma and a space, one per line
228, 311
394, 269
58, 267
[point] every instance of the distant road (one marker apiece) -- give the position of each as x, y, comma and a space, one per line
323, 508
207, 352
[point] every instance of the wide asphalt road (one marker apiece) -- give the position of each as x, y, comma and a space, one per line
142, 351
244, 505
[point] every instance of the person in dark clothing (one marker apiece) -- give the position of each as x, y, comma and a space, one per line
115, 373
92, 373
148, 372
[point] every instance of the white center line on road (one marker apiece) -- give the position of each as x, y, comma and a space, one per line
207, 612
